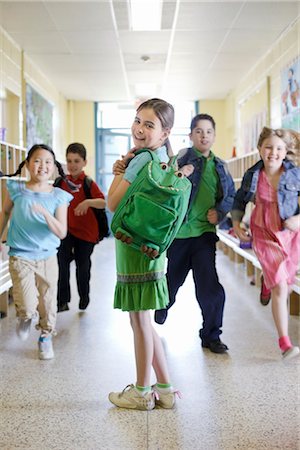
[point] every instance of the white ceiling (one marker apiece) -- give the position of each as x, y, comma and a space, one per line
89, 53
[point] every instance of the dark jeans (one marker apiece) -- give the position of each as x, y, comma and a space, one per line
81, 251
199, 255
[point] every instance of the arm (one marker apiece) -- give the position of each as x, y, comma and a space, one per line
225, 205
116, 192
240, 232
81, 208
5, 213
292, 223
58, 223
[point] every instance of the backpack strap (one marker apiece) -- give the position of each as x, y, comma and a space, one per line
87, 182
153, 155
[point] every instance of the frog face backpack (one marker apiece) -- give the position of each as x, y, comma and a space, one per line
154, 206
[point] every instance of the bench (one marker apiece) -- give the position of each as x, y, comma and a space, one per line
5, 284
230, 246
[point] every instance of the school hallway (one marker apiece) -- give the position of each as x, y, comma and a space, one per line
246, 399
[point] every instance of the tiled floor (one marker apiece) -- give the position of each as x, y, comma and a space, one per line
248, 399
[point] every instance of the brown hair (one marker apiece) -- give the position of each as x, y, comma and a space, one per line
77, 147
291, 138
165, 113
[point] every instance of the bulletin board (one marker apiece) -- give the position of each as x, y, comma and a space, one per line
290, 95
39, 119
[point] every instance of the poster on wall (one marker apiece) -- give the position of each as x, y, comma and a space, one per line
290, 95
39, 118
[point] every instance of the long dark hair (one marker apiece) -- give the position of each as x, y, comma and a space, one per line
165, 113
33, 149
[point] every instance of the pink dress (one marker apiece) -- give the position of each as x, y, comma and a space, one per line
277, 249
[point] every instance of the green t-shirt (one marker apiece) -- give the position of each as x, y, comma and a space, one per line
196, 222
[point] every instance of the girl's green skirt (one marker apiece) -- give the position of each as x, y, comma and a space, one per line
141, 282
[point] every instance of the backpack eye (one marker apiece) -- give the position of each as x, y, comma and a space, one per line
179, 174
164, 166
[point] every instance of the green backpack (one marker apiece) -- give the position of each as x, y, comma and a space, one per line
154, 206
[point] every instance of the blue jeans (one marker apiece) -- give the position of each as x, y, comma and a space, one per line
199, 255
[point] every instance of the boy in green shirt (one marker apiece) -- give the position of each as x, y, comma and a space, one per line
195, 245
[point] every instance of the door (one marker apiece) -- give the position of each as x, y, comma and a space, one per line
110, 146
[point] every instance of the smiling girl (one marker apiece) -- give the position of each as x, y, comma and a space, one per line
274, 184
38, 221
141, 282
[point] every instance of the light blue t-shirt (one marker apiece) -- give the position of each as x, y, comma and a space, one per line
139, 161
29, 236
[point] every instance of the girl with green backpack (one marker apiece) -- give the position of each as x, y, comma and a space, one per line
141, 283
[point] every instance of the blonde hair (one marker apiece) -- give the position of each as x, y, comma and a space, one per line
291, 138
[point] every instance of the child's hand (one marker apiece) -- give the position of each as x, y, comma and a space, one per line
212, 216
121, 164
40, 209
241, 233
119, 167
293, 223
187, 170
82, 208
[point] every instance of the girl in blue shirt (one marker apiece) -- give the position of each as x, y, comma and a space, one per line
37, 224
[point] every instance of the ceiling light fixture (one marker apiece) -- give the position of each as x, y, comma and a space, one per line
145, 15
145, 58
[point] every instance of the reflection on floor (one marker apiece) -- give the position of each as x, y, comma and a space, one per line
248, 399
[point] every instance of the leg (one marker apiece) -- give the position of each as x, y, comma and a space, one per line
178, 267
279, 308
24, 289
280, 315
143, 345
159, 362
82, 254
64, 258
209, 292
46, 282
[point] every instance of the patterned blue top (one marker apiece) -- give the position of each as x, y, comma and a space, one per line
29, 236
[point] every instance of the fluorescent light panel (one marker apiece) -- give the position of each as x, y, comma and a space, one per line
145, 15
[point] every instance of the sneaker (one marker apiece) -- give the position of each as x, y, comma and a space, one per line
265, 293
290, 353
165, 400
130, 398
23, 328
46, 347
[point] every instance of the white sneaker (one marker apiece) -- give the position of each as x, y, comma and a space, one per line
45, 347
165, 400
130, 398
23, 328
291, 353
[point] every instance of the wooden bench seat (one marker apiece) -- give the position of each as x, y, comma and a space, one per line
5, 285
230, 246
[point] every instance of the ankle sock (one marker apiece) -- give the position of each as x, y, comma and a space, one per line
284, 343
164, 388
143, 390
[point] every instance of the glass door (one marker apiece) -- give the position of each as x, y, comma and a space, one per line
111, 144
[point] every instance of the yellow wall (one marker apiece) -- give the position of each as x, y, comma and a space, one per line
82, 129
217, 109
261, 86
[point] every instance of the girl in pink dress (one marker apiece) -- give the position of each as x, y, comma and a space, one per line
274, 183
